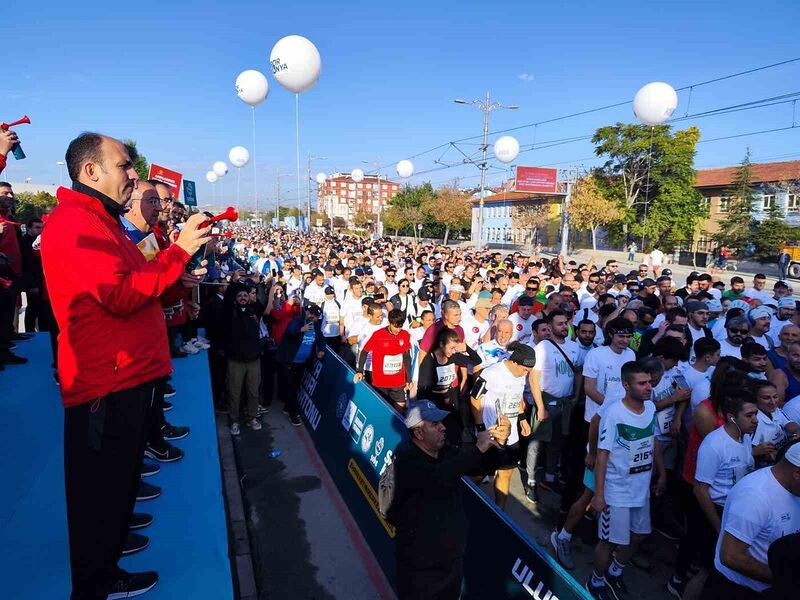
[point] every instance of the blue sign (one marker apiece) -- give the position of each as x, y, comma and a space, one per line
189, 193
357, 433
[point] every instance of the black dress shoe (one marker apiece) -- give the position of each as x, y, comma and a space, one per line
140, 521
129, 585
134, 543
9, 358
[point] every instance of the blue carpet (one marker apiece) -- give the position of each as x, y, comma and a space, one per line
188, 540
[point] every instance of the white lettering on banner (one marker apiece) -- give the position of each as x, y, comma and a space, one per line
358, 426
523, 574
349, 415
373, 460
309, 410
387, 460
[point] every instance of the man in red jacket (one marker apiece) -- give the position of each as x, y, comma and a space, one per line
112, 351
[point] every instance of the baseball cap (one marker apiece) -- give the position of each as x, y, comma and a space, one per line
423, 410
317, 273
696, 305
647, 282
793, 454
620, 278
353, 280
483, 303
715, 305
424, 294
313, 309
329, 290
786, 302
523, 355
666, 272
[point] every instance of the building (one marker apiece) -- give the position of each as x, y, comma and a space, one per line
342, 197
775, 185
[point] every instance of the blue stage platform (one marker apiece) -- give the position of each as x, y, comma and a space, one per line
188, 540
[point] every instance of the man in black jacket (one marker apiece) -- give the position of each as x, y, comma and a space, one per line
243, 351
427, 509
33, 278
211, 316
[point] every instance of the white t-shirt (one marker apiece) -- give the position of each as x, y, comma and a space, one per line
728, 349
363, 337
699, 382
605, 366
473, 330
630, 440
314, 294
656, 257
502, 386
775, 328
770, 429
792, 409
330, 318
763, 340
522, 328
763, 295
722, 461
340, 286
759, 511
556, 376
695, 335
664, 417
491, 352
351, 308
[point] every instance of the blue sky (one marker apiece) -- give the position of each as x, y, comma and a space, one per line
163, 73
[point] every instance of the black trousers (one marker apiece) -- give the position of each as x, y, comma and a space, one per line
8, 304
35, 318
719, 587
103, 447
573, 455
289, 385
269, 367
156, 418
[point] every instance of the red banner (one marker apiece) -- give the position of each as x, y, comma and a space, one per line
536, 179
171, 178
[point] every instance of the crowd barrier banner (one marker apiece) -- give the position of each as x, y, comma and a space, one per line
356, 433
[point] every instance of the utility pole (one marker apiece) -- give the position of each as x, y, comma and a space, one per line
486, 106
378, 224
308, 189
570, 176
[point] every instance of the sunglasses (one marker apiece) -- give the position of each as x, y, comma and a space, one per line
734, 330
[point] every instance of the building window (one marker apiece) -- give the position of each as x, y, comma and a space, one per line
793, 203
724, 204
705, 203
360, 185
768, 201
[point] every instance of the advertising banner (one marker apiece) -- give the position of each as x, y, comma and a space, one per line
356, 433
171, 178
536, 179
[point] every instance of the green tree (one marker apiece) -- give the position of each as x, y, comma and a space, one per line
450, 208
649, 172
736, 230
139, 161
33, 205
392, 217
768, 234
589, 208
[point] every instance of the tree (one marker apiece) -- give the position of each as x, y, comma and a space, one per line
649, 172
362, 218
33, 205
589, 208
393, 218
409, 203
529, 217
450, 208
139, 161
736, 230
770, 233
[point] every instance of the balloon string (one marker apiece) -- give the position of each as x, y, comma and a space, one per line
297, 132
255, 170
238, 184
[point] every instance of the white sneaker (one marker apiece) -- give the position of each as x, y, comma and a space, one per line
254, 424
199, 345
235, 429
189, 348
203, 340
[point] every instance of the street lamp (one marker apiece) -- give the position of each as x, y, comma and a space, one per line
486, 106
60, 164
377, 186
308, 191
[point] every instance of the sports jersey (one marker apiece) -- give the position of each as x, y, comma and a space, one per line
664, 417
629, 439
770, 428
331, 312
474, 330
759, 510
491, 352
722, 461
500, 385
522, 328
386, 351
556, 376
605, 366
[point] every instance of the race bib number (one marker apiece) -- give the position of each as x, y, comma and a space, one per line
445, 376
664, 419
392, 363
641, 455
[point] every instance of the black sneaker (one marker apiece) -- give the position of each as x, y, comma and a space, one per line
167, 405
149, 468
262, 410
9, 358
676, 587
140, 521
133, 584
532, 494
21, 337
169, 391
178, 353
147, 491
617, 586
602, 592
134, 543
165, 454
295, 420
174, 432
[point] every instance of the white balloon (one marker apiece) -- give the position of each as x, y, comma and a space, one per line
252, 87
506, 149
296, 63
239, 156
321, 178
220, 168
357, 175
654, 103
405, 169
211, 177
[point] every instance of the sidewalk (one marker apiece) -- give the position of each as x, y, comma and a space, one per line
303, 541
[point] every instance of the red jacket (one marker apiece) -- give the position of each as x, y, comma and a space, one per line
105, 299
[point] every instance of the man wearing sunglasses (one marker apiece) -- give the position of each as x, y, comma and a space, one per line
738, 328
532, 291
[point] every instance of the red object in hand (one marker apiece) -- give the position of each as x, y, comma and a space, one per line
9, 221
230, 214
7, 126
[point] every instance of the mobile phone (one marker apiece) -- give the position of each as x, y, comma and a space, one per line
680, 381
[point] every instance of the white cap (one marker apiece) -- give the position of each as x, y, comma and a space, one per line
793, 454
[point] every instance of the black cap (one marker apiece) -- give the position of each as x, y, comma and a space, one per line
353, 280
620, 278
523, 354
359, 271
666, 272
424, 294
329, 290
317, 273
647, 282
313, 309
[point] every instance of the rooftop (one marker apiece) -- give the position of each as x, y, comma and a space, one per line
762, 173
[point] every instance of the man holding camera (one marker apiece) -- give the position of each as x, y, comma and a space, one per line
112, 352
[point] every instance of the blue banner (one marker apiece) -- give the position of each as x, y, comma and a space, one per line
357, 432
189, 193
